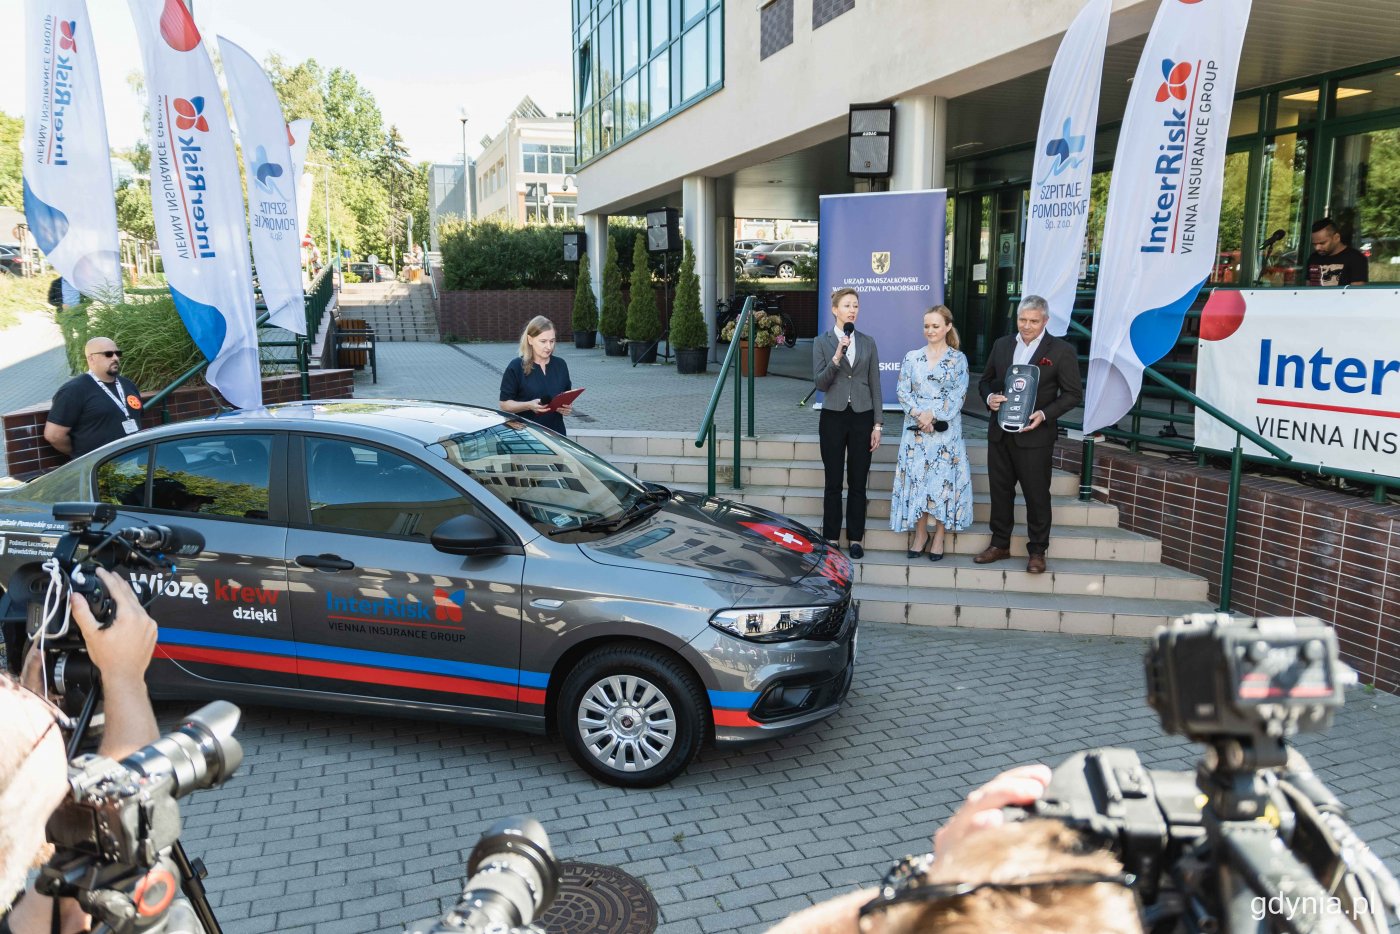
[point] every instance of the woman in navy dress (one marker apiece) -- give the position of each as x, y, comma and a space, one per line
535, 376
932, 481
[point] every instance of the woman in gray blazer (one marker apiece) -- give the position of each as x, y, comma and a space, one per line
846, 367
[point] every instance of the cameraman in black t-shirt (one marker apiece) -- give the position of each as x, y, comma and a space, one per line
1332, 262
97, 407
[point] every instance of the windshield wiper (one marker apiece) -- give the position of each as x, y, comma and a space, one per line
649, 502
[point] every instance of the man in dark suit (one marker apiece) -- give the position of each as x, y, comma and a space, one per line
847, 368
1025, 457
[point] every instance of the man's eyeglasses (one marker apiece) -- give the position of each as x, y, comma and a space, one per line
106, 353
907, 883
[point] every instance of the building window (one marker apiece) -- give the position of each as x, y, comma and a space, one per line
824, 11
774, 28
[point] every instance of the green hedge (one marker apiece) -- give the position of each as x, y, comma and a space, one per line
489, 254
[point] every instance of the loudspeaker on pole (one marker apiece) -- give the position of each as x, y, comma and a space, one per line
871, 141
575, 243
663, 231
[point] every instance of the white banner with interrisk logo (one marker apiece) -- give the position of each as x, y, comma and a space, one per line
1317, 372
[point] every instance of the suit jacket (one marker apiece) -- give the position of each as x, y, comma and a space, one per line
859, 386
1061, 388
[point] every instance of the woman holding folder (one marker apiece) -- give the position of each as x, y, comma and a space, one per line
536, 376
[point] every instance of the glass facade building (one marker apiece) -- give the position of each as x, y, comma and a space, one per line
636, 62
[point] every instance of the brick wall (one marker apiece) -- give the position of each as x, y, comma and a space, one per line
1298, 551
27, 452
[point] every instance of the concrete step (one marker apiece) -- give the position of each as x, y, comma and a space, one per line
1068, 510
801, 474
1066, 576
783, 448
1067, 613
1066, 541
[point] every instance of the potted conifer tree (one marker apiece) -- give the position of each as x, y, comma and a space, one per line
613, 323
643, 319
688, 335
585, 308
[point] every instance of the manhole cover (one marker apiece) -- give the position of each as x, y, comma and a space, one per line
596, 899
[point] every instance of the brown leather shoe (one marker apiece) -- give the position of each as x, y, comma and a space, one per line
993, 553
1035, 564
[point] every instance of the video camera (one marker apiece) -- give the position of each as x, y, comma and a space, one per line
511, 876
1253, 841
154, 547
116, 832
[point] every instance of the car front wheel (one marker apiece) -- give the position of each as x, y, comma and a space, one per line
631, 717
787, 271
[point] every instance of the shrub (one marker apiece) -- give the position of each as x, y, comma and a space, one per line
157, 349
488, 254
768, 330
614, 321
687, 322
585, 304
643, 320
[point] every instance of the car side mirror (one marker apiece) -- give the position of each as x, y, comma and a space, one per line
470, 535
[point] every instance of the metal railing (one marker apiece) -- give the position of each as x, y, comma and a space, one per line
1232, 501
743, 325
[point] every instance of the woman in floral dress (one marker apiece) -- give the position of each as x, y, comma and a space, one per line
932, 482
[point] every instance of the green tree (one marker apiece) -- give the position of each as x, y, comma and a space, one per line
687, 322
614, 318
134, 210
11, 186
585, 302
393, 170
643, 320
416, 201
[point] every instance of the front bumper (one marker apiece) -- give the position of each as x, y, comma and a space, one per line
773, 689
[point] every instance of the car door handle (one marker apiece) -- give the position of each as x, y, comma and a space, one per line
325, 562
545, 604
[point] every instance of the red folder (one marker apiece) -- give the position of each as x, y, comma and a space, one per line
563, 399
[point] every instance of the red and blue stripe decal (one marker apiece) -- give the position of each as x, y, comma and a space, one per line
334, 662
731, 708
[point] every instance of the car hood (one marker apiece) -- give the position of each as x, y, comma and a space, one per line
719, 539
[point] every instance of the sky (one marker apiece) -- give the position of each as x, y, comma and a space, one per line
423, 60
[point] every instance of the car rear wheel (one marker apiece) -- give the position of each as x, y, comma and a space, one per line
787, 271
631, 717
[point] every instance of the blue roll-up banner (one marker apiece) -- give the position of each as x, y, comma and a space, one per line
888, 246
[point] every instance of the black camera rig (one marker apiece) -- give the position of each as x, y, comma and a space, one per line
1253, 841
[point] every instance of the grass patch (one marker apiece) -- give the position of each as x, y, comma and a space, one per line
19, 294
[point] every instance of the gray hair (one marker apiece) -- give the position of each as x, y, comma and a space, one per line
1034, 301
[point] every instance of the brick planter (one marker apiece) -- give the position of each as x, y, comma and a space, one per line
1298, 551
27, 452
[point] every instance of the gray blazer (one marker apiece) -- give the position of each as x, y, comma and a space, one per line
859, 387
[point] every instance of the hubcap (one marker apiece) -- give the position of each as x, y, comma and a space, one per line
627, 723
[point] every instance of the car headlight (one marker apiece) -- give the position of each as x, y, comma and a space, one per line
771, 624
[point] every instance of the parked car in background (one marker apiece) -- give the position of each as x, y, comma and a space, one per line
372, 272
742, 249
780, 260
11, 260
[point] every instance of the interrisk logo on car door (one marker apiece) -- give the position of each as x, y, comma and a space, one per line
439, 621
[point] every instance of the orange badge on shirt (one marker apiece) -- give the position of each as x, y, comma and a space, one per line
133, 401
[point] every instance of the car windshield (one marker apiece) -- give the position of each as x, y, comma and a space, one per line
554, 483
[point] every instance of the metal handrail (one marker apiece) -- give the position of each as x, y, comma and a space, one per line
707, 424
1232, 501
428, 271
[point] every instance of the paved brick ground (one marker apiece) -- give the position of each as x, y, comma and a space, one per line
357, 824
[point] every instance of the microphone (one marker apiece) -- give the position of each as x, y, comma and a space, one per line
1274, 237
172, 539
848, 329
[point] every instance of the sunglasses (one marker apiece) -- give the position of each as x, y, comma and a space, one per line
106, 353
907, 883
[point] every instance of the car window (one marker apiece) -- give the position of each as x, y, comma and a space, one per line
122, 480
549, 480
361, 488
213, 475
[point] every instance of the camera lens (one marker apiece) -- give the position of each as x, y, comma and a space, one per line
201, 753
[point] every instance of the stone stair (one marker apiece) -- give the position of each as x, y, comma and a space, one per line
1101, 579
398, 311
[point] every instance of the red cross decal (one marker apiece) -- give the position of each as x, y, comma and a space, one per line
785, 537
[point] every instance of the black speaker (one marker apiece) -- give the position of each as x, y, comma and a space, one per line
871, 141
575, 243
663, 231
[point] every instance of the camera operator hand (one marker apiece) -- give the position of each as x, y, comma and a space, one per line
981, 809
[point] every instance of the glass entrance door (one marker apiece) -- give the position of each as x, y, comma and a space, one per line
992, 239
1364, 200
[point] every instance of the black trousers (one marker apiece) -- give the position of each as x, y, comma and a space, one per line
845, 446
1008, 465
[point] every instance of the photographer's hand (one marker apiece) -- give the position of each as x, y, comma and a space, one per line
982, 809
121, 653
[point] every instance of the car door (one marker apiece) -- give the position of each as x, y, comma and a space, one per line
223, 614
378, 611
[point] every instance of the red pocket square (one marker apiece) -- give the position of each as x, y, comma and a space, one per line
1044, 361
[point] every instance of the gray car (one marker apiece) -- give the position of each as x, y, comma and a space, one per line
778, 260
432, 559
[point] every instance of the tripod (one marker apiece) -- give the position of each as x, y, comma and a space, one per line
192, 872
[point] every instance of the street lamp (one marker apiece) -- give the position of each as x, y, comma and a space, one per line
466, 194
322, 165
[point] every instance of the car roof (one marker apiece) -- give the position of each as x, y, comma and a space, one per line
422, 421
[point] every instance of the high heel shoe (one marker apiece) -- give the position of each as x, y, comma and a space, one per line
934, 555
916, 552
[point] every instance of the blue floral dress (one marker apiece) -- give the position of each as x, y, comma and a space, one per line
932, 475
